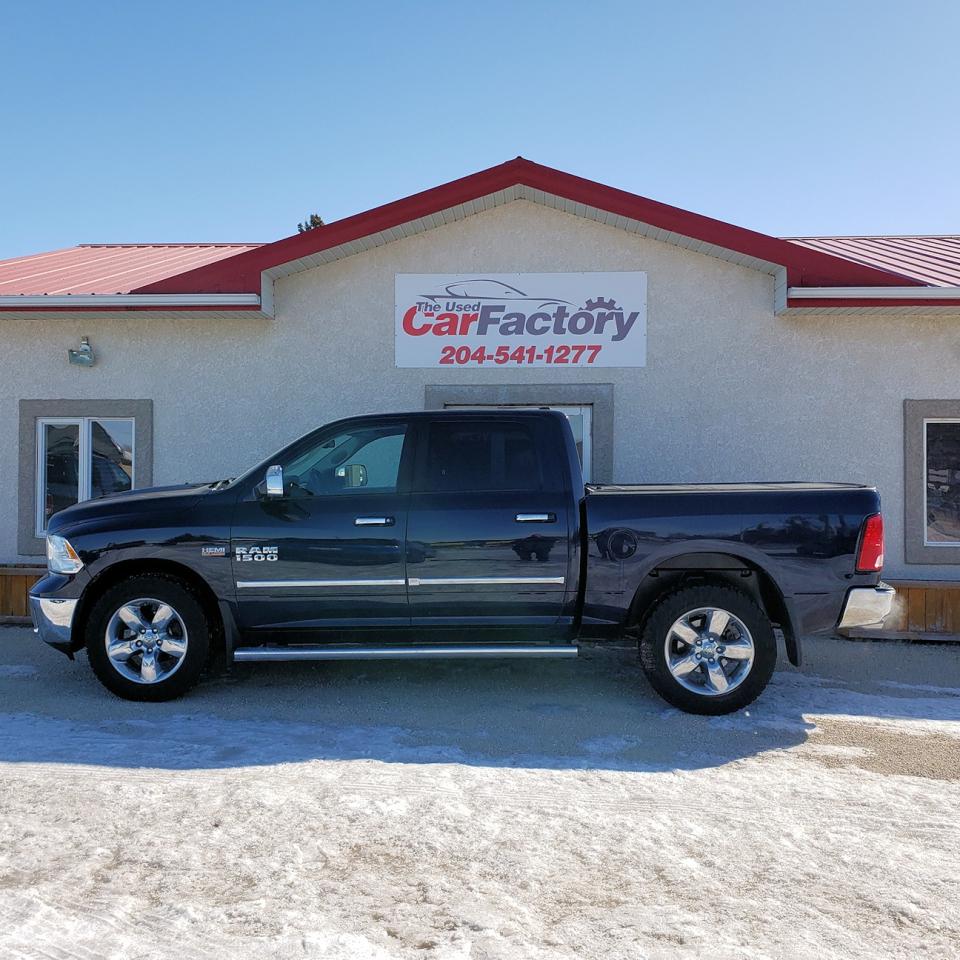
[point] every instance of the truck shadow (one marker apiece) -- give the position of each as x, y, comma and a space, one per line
595, 713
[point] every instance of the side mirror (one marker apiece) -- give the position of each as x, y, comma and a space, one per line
353, 475
274, 481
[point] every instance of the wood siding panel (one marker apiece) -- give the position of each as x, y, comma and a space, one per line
923, 610
916, 610
934, 610
15, 584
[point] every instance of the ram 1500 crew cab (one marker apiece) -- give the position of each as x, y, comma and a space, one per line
457, 534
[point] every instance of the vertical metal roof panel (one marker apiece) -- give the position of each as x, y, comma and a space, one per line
934, 260
108, 268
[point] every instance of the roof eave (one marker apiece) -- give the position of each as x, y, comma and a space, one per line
128, 300
881, 300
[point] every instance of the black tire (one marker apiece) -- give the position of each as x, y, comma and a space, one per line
189, 609
653, 655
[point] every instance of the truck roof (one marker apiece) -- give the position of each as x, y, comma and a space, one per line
465, 411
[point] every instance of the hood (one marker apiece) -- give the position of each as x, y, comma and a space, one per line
179, 497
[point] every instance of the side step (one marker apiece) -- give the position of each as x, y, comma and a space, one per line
397, 652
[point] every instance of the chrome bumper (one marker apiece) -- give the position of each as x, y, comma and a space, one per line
866, 606
52, 620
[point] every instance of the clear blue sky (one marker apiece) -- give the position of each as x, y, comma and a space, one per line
209, 120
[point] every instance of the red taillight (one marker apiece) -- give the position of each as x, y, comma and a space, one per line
870, 554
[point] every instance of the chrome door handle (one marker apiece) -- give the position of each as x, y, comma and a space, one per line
373, 522
536, 518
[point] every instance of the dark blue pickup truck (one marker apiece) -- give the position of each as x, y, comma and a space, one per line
457, 534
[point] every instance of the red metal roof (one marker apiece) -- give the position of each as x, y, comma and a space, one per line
235, 268
934, 261
108, 268
805, 265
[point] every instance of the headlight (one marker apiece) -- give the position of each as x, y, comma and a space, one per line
61, 557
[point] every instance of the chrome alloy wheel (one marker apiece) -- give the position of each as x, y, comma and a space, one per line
709, 651
146, 640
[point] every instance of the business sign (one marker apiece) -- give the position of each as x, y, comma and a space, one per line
521, 319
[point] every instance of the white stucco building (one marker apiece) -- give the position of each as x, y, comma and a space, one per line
748, 357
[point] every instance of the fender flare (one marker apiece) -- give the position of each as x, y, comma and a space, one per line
752, 559
127, 565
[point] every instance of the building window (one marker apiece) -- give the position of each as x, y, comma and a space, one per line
931, 431
75, 450
941, 464
81, 459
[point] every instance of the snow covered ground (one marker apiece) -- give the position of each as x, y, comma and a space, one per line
481, 810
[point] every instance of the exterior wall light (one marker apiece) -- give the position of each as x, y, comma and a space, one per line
84, 356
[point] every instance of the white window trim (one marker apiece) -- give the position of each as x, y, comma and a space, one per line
84, 479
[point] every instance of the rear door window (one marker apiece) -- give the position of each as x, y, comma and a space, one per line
477, 455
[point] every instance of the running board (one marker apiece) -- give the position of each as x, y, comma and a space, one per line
388, 652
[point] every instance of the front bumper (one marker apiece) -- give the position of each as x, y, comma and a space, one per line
53, 621
867, 606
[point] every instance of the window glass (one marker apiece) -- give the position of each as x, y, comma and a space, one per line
363, 459
80, 459
111, 449
481, 455
580, 417
61, 467
943, 481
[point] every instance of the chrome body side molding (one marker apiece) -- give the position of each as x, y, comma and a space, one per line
480, 581
411, 581
397, 652
268, 584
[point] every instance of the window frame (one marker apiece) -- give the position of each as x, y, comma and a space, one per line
934, 544
84, 465
29, 544
916, 415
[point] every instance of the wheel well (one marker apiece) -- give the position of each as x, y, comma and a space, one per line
718, 568
131, 568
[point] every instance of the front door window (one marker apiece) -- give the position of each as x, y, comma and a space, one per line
362, 459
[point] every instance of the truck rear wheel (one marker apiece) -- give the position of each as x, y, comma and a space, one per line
708, 649
148, 638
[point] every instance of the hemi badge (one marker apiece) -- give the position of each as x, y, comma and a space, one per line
213, 551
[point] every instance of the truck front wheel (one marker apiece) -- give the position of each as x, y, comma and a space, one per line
708, 649
147, 638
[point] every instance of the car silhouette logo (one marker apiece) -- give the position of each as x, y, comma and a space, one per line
484, 289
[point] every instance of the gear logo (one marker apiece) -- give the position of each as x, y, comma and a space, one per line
601, 304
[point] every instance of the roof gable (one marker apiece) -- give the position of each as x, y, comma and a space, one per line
524, 179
